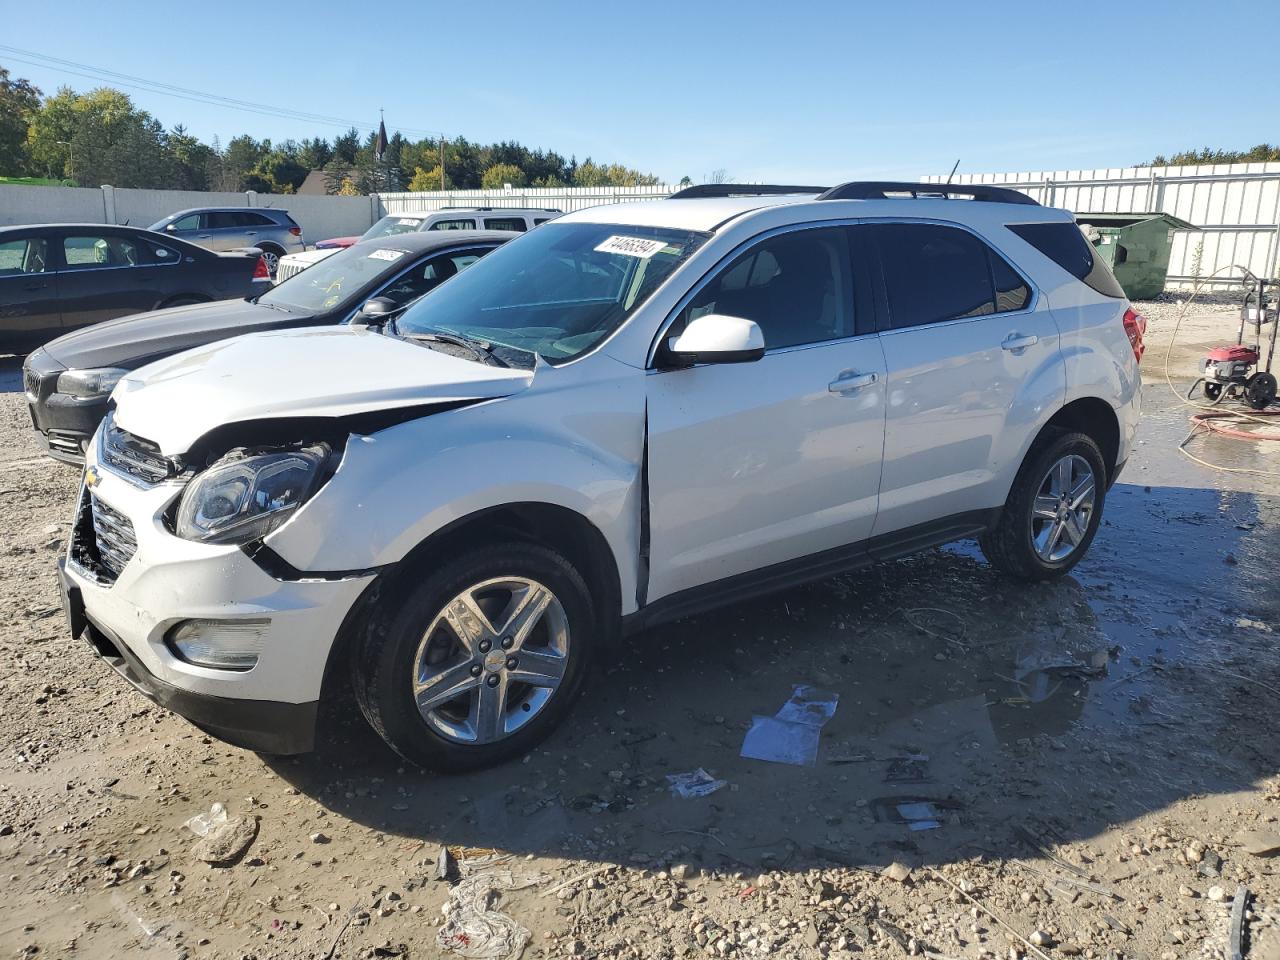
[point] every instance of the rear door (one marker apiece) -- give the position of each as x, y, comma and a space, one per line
102, 276
756, 464
223, 230
29, 310
971, 353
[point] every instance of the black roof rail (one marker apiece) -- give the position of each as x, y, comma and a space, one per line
702, 190
881, 189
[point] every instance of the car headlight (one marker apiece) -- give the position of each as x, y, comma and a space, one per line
243, 496
89, 384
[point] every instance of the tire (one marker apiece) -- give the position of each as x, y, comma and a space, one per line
271, 254
1212, 391
496, 715
1260, 390
1037, 547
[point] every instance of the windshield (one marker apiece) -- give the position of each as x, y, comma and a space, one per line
390, 226
334, 279
556, 291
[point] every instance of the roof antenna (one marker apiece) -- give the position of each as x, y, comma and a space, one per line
953, 170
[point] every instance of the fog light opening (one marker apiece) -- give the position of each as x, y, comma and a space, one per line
218, 644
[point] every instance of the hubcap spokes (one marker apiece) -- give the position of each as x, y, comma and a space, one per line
1063, 508
491, 660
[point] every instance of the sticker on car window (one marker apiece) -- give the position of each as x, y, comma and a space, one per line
632, 246
408, 222
386, 255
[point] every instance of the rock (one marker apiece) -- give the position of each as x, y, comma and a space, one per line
811, 935
226, 842
5, 830
682, 871
319, 838
1185, 891
1259, 843
897, 871
1217, 894
1041, 938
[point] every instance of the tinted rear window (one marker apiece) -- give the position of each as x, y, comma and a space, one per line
933, 273
1065, 245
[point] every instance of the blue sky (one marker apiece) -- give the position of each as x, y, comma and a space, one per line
801, 91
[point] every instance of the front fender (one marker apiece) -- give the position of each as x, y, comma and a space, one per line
578, 449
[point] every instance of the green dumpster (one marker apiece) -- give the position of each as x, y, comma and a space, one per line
1136, 246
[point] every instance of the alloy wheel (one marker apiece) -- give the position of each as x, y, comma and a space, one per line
1063, 508
491, 660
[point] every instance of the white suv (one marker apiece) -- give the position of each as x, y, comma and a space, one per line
631, 414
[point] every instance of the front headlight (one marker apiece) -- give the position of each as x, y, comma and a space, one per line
244, 496
89, 384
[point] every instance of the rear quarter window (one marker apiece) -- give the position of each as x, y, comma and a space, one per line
1065, 245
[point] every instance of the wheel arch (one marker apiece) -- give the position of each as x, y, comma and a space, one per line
1095, 418
566, 531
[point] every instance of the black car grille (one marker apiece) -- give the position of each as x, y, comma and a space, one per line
65, 442
135, 457
31, 383
103, 540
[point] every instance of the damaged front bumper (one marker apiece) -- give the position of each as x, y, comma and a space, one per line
128, 584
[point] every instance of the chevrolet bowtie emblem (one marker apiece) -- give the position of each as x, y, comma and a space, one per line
91, 477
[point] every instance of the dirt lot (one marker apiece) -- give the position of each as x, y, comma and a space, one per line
1097, 751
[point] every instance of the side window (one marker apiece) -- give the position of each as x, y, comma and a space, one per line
222, 220
796, 286
427, 276
539, 221
1065, 245
933, 273
453, 225
161, 254
1011, 292
189, 222
87, 252
256, 220
505, 223
23, 256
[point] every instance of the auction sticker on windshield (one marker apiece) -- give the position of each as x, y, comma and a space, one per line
632, 246
386, 255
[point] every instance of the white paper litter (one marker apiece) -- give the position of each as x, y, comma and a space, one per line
792, 734
476, 930
202, 823
809, 705
696, 783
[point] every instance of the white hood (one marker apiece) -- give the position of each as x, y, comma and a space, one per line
314, 371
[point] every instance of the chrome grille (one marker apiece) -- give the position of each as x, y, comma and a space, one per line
113, 535
133, 456
31, 383
285, 269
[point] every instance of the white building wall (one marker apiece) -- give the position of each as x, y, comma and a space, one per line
1235, 205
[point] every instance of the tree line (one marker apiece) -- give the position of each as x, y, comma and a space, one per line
98, 137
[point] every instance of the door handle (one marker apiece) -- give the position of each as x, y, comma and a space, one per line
204, 236
251, 233
1016, 341
849, 381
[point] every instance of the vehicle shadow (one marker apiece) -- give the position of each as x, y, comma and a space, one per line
1064, 707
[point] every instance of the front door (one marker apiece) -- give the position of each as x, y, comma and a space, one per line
755, 464
970, 354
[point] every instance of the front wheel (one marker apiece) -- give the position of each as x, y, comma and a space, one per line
1053, 510
481, 660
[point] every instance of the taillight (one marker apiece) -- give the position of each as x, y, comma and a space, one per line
261, 271
1135, 325
296, 231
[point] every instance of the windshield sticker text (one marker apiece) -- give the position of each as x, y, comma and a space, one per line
386, 255
632, 246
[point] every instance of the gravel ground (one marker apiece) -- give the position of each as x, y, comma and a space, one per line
1102, 756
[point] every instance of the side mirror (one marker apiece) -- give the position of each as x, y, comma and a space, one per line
716, 338
170, 228
377, 309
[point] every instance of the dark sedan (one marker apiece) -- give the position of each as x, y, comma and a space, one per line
69, 380
57, 277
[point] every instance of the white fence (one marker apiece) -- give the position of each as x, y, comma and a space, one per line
560, 198
1235, 205
320, 217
